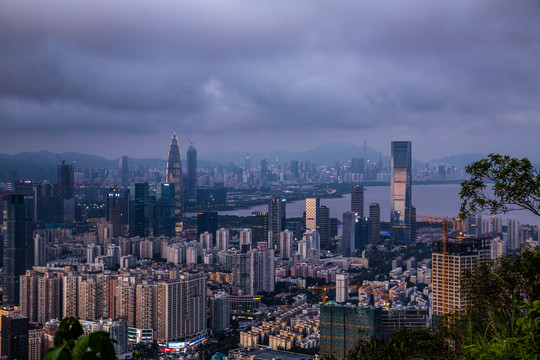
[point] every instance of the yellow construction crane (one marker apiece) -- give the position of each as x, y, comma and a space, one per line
444, 220
366, 288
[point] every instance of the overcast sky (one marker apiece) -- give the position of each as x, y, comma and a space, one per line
117, 77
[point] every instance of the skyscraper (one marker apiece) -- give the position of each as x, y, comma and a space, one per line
447, 271
342, 287
375, 223
123, 171
357, 200
192, 173
118, 210
400, 192
174, 175
276, 218
164, 219
66, 182
259, 226
285, 244
347, 244
207, 221
18, 243
312, 213
139, 210
512, 229
324, 226
14, 337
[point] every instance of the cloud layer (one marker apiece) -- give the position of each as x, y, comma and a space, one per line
118, 77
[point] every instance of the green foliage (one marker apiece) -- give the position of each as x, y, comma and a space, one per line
96, 345
517, 337
516, 186
404, 344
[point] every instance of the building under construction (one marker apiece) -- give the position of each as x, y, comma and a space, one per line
448, 266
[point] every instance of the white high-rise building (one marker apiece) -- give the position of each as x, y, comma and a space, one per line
342, 287
222, 239
285, 244
206, 239
496, 225
263, 273
498, 248
512, 228
245, 237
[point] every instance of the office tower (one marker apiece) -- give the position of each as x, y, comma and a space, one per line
447, 271
245, 238
40, 258
139, 210
495, 225
361, 234
125, 299
118, 210
222, 239
70, 298
123, 171
262, 260
512, 229
14, 337
207, 221
375, 223
259, 226
285, 244
242, 268
294, 168
340, 324
333, 225
207, 240
18, 243
264, 170
220, 306
192, 180
342, 287
276, 218
181, 308
400, 192
164, 220
146, 317
348, 237
247, 162
324, 227
66, 181
312, 213
174, 175
357, 200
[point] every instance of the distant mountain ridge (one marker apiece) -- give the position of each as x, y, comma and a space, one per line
460, 160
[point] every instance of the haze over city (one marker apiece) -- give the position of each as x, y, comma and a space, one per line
118, 78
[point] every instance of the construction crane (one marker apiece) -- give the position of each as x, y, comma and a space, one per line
366, 288
444, 220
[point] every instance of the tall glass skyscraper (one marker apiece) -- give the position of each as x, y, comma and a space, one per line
174, 175
400, 192
192, 173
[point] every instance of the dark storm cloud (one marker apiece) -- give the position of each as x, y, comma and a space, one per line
221, 68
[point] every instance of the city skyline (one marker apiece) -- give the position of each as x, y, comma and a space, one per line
445, 76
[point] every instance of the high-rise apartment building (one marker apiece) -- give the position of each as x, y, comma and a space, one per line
285, 244
146, 317
245, 238
357, 200
125, 299
342, 287
512, 229
262, 275
447, 271
312, 213
181, 308
400, 192
259, 226
41, 295
242, 270
220, 306
375, 223
495, 225
18, 243
222, 239
276, 218
70, 295
174, 175
192, 173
